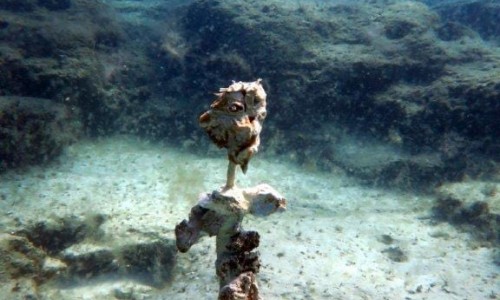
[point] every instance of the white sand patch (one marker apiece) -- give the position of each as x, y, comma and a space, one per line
329, 244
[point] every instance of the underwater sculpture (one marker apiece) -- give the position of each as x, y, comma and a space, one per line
234, 122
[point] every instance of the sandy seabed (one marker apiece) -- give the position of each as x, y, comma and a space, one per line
336, 240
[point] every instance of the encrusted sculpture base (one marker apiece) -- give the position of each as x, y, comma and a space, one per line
220, 213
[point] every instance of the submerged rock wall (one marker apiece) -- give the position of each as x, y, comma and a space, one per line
387, 69
420, 79
76, 53
480, 15
396, 71
34, 130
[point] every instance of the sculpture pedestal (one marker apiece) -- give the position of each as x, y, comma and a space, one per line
220, 213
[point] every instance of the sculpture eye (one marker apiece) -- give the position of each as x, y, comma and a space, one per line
235, 107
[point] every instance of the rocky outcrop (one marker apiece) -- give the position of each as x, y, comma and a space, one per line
34, 130
71, 250
480, 15
397, 72
418, 78
472, 206
72, 52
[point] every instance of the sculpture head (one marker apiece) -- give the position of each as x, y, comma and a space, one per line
234, 120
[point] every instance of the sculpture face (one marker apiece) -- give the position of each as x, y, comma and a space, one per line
235, 118
230, 103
